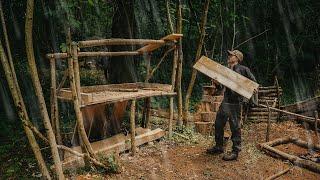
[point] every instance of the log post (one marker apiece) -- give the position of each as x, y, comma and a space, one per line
316, 117
54, 104
147, 106
132, 126
173, 82
148, 113
278, 95
269, 123
76, 102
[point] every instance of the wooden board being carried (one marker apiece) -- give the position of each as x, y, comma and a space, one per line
227, 77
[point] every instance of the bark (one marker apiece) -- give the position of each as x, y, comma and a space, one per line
198, 55
132, 126
22, 112
169, 16
76, 102
180, 62
38, 88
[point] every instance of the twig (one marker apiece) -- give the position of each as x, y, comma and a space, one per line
252, 38
158, 65
180, 135
279, 174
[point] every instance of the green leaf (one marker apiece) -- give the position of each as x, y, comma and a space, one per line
63, 47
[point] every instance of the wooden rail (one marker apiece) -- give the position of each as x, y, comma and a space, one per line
304, 118
116, 41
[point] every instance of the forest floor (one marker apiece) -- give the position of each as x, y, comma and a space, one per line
186, 159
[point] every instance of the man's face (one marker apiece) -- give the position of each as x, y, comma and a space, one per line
232, 59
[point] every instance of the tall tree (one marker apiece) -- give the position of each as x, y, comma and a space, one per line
199, 51
38, 88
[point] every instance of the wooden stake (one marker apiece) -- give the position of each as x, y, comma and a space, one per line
173, 81
269, 123
132, 126
76, 104
148, 113
38, 88
316, 124
54, 104
278, 95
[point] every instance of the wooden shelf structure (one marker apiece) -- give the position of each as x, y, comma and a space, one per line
111, 93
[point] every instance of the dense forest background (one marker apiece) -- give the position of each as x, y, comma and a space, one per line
285, 42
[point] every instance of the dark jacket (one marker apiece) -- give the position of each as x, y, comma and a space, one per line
233, 97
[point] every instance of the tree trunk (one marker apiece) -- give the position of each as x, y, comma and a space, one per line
198, 55
22, 112
122, 69
38, 88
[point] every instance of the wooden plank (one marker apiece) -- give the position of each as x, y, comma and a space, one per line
118, 143
226, 77
152, 47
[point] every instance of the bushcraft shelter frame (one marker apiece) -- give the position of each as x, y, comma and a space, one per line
111, 93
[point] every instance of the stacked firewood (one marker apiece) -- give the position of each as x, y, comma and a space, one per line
209, 107
269, 96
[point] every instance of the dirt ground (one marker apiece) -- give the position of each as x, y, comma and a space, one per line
181, 159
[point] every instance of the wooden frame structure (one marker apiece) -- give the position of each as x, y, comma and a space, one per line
112, 93
268, 147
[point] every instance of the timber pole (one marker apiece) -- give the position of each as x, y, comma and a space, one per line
132, 126
38, 89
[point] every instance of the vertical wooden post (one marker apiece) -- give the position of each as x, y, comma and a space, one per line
132, 126
269, 123
278, 95
76, 103
148, 113
316, 117
173, 82
54, 104
147, 106
76, 71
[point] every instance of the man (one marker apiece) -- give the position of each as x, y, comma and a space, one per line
230, 109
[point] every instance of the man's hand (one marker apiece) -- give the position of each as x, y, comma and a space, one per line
215, 82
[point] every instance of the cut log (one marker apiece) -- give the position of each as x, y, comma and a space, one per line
204, 128
208, 116
118, 143
211, 99
214, 107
